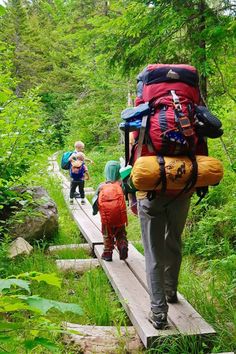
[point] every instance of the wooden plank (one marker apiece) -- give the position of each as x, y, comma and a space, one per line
182, 314
133, 297
102, 339
90, 232
87, 208
92, 235
77, 265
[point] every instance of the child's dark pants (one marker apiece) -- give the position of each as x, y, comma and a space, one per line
115, 235
74, 185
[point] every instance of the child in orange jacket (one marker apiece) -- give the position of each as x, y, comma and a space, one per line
110, 202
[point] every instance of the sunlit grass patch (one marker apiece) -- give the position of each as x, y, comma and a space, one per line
71, 254
211, 291
99, 301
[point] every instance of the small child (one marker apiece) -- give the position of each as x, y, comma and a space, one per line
110, 202
79, 147
78, 173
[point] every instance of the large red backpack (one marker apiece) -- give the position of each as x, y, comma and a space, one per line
111, 204
172, 92
163, 123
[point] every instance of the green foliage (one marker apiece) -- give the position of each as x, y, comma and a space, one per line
24, 324
71, 254
20, 136
98, 301
56, 124
100, 155
211, 231
210, 287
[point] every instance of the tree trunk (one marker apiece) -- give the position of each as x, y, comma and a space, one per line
202, 45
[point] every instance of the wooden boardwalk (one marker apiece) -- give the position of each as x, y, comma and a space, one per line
128, 279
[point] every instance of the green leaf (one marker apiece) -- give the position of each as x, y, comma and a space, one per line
5, 339
3, 97
7, 283
2, 10
11, 303
234, 166
44, 342
44, 305
9, 325
51, 279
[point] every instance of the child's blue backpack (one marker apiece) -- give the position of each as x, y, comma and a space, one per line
65, 163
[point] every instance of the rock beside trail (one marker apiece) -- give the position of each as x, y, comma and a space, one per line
41, 222
19, 247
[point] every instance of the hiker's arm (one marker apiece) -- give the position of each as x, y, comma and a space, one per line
95, 201
86, 176
72, 157
87, 159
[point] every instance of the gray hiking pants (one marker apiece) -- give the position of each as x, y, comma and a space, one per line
162, 223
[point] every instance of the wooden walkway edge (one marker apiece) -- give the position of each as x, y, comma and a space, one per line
128, 279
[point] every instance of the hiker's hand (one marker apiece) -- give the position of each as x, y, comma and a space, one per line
73, 156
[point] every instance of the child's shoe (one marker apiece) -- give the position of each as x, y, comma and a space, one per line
123, 249
71, 201
107, 256
82, 201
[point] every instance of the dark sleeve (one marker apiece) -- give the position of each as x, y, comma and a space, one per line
95, 200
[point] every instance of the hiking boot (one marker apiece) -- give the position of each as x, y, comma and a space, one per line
107, 256
82, 201
158, 320
71, 201
171, 297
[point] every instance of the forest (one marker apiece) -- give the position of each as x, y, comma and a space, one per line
68, 68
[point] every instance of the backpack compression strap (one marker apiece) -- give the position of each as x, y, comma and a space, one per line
182, 120
188, 186
126, 144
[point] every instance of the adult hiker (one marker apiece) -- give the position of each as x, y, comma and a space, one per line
162, 126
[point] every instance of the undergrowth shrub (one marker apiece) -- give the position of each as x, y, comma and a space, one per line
25, 324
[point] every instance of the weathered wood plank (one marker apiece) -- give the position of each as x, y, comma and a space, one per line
182, 314
87, 208
133, 297
90, 232
77, 265
88, 229
103, 339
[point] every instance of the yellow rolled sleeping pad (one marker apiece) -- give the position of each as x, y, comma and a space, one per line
145, 173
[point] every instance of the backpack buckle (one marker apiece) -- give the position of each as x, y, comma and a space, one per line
185, 126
